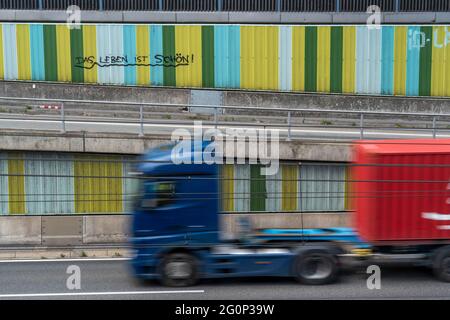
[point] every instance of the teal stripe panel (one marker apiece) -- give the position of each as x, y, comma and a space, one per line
3, 184
242, 187
49, 185
227, 56
37, 51
156, 47
387, 60
10, 52
413, 61
129, 50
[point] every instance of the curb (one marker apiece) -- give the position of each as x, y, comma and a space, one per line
61, 253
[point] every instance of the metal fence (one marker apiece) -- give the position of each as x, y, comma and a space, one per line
292, 123
233, 5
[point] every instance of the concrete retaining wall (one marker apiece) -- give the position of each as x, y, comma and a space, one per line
230, 97
115, 229
225, 17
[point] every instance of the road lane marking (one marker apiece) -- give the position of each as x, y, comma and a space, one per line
64, 260
66, 294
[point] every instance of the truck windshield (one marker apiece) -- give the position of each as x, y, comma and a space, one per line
154, 194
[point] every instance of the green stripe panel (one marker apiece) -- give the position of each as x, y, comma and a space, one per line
76, 50
310, 59
169, 50
257, 189
50, 53
208, 56
425, 63
336, 60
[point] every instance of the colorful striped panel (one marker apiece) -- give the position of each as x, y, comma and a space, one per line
98, 186
227, 187
49, 183
391, 60
16, 183
4, 184
289, 188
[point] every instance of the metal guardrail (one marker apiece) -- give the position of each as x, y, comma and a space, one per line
141, 108
233, 5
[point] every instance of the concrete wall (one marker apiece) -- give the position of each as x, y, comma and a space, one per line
115, 229
47, 90
131, 144
225, 17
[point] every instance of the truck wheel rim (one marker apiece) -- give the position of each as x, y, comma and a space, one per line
316, 268
178, 270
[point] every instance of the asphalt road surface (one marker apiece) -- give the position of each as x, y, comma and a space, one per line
111, 279
320, 132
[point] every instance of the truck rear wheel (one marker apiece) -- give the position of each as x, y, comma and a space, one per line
316, 267
179, 270
441, 264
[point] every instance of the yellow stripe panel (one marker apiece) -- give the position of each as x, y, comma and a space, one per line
90, 49
96, 191
349, 59
2, 70
289, 187
298, 58
323, 59
247, 57
438, 76
400, 60
16, 184
23, 51
188, 42
143, 49
228, 187
63, 53
259, 57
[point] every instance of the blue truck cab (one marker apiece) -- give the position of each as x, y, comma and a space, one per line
177, 240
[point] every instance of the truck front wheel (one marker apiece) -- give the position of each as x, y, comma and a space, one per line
315, 267
179, 270
441, 264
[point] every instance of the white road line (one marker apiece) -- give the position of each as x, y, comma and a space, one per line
68, 294
64, 260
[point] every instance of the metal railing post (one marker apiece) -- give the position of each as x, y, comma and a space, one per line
40, 5
361, 126
434, 127
63, 119
160, 5
215, 117
141, 121
219, 5
397, 5
278, 5
289, 127
338, 5
100, 5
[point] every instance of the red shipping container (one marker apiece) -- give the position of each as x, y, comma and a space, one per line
401, 190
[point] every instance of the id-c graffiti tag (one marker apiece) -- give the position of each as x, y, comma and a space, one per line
158, 60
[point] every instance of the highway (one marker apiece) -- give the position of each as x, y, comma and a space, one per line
111, 279
311, 132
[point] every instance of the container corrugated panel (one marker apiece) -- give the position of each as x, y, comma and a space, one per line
392, 60
402, 190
